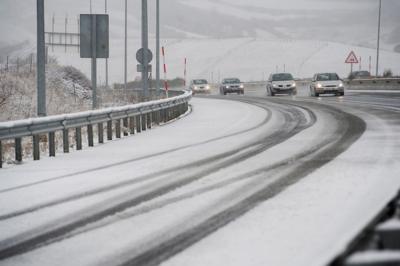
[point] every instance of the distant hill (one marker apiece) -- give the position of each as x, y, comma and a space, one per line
210, 33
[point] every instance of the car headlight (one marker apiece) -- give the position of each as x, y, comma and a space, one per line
274, 85
294, 84
208, 87
340, 84
195, 87
241, 86
319, 85
226, 87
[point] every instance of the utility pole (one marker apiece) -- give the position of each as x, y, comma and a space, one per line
126, 47
158, 46
145, 46
40, 61
379, 33
105, 11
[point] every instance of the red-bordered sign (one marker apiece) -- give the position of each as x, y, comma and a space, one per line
351, 58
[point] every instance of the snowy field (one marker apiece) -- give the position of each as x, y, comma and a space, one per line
225, 184
250, 59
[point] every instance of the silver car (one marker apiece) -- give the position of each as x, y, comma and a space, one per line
281, 83
326, 83
199, 86
231, 85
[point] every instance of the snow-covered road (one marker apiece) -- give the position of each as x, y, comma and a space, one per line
250, 181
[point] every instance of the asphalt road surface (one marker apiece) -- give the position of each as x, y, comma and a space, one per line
134, 210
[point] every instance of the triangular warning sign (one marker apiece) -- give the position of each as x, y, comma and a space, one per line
351, 58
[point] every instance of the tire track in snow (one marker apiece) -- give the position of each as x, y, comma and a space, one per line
178, 239
99, 168
48, 233
172, 170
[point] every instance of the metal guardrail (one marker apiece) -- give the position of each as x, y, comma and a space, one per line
136, 118
375, 83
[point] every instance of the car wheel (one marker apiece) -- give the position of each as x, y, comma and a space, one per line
272, 93
224, 92
316, 94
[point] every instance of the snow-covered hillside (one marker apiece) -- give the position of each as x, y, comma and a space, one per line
243, 38
250, 59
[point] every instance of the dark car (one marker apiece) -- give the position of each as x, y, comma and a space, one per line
362, 74
231, 85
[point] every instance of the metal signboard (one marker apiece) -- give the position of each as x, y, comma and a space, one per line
140, 68
99, 33
140, 56
351, 58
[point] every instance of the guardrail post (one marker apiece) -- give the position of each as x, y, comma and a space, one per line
18, 149
118, 128
109, 130
125, 124
157, 117
138, 123
52, 144
168, 113
90, 135
36, 149
78, 138
143, 119
149, 120
65, 140
1, 156
132, 125
161, 115
100, 132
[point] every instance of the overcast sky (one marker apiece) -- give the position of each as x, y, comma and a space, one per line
320, 19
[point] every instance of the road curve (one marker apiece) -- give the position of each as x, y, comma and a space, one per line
268, 157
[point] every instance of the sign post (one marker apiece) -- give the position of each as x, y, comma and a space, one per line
94, 43
40, 61
351, 59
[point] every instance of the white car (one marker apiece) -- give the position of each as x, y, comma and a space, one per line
281, 83
199, 86
326, 83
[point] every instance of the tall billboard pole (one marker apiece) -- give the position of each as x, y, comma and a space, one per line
379, 33
158, 46
126, 46
41, 61
145, 46
105, 11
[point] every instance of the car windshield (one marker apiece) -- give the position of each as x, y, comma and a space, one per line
281, 77
327, 76
199, 81
231, 81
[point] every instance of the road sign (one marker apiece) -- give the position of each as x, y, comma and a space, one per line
140, 68
100, 34
140, 56
351, 58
